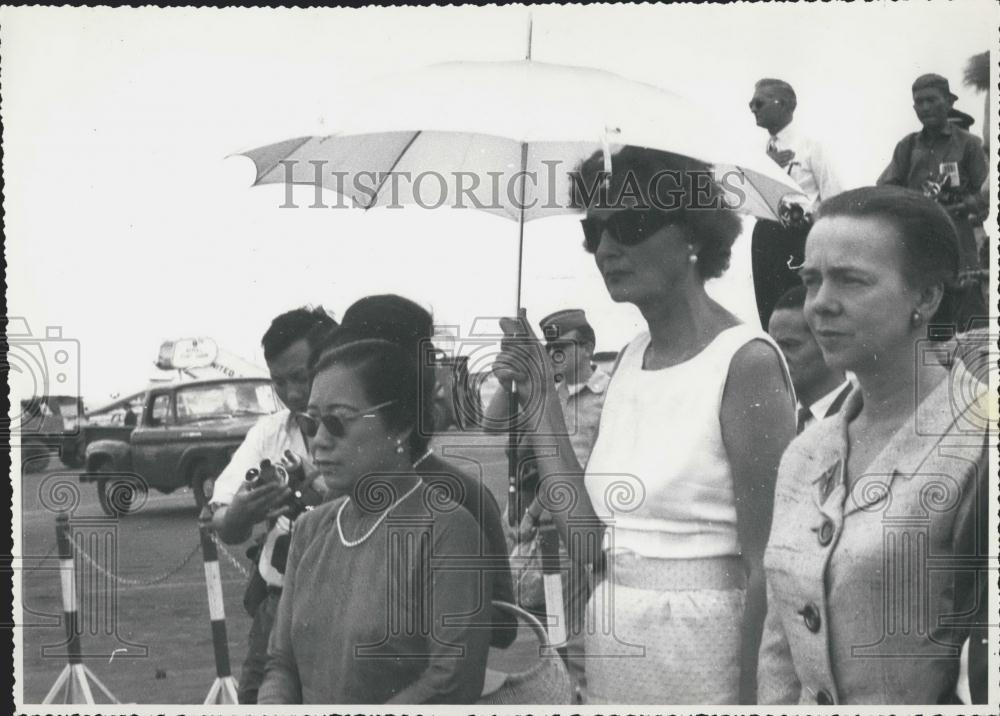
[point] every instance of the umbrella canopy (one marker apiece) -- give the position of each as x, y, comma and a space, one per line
460, 134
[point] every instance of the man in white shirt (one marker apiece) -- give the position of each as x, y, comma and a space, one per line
287, 344
774, 246
819, 389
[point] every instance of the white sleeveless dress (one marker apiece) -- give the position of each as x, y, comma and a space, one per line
664, 626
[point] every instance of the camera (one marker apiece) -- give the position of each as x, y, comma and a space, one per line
291, 472
793, 213
40, 370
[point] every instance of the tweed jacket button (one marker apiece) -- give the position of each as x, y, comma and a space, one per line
825, 535
810, 615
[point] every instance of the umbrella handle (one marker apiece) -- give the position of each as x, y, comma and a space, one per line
514, 509
513, 496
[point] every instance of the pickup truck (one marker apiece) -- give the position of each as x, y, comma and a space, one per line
183, 436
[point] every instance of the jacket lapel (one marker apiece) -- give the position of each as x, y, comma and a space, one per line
829, 455
838, 402
907, 451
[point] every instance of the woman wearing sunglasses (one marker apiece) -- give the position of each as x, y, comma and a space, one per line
680, 482
878, 564
368, 614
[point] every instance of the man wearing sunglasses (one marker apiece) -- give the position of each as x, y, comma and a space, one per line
288, 344
774, 246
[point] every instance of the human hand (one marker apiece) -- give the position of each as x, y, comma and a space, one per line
523, 361
528, 527
252, 505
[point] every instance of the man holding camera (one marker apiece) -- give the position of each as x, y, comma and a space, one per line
287, 345
943, 161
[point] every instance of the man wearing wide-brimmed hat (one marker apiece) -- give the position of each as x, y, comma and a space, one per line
942, 160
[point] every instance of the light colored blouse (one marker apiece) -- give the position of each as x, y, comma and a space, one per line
400, 618
659, 475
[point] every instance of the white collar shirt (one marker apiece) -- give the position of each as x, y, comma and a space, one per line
267, 439
819, 408
810, 168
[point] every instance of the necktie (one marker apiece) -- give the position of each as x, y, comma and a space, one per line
772, 145
802, 419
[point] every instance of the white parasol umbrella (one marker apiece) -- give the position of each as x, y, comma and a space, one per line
467, 133
464, 119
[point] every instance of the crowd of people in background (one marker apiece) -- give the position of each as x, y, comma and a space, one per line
671, 465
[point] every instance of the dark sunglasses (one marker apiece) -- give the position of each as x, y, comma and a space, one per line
758, 103
628, 227
335, 424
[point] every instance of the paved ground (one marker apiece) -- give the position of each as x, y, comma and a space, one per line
159, 634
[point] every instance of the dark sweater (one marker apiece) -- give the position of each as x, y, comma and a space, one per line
391, 620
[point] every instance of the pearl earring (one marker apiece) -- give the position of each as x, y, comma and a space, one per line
692, 257
915, 318
399, 447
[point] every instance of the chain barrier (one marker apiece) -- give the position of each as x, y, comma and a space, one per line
128, 582
229, 556
41, 560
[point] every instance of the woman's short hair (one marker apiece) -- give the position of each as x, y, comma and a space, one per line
404, 323
926, 233
386, 372
675, 185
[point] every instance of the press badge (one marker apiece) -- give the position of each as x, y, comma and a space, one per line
949, 171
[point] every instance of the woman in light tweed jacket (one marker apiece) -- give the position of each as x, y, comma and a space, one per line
877, 566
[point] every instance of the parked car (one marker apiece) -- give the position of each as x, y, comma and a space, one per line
48, 424
183, 436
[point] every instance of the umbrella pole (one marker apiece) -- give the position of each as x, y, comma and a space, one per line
515, 510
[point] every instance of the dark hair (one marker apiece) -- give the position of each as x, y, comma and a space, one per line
693, 199
391, 318
792, 299
387, 373
926, 233
403, 323
311, 324
782, 88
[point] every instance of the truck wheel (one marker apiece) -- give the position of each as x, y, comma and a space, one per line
118, 496
203, 476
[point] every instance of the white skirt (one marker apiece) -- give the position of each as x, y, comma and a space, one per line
650, 643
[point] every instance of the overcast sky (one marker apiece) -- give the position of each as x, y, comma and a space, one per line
126, 223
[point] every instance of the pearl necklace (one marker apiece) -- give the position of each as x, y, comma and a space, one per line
354, 543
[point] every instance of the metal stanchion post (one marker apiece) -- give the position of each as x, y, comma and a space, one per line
74, 681
223, 690
552, 581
